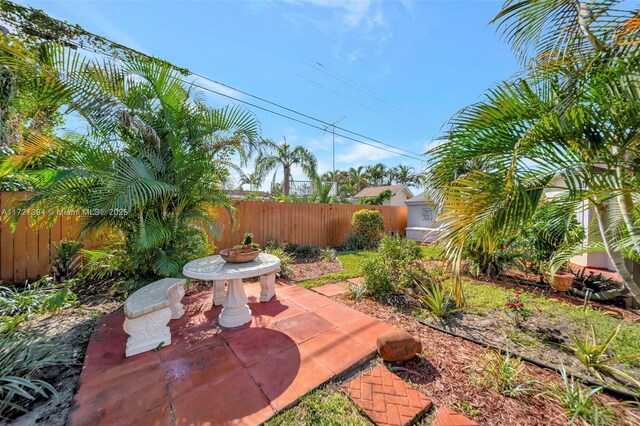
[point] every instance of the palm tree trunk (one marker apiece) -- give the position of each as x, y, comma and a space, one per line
614, 254
286, 183
625, 202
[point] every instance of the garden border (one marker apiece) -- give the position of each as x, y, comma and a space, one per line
617, 393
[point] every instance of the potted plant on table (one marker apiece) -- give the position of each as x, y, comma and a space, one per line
242, 253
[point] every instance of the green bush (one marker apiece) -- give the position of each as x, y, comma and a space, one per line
387, 271
40, 296
376, 276
354, 242
369, 226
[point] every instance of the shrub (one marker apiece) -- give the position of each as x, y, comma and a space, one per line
368, 225
306, 252
356, 291
290, 248
271, 244
285, 261
355, 242
376, 276
21, 359
428, 291
65, 264
504, 374
387, 270
329, 254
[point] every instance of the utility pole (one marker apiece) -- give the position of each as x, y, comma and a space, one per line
333, 140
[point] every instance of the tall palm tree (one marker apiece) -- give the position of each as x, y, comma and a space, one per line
151, 165
403, 174
285, 156
376, 174
356, 176
575, 113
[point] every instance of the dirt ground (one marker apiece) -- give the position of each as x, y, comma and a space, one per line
69, 330
447, 372
307, 270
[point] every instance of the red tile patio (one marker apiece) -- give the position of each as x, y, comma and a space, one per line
447, 417
331, 290
211, 376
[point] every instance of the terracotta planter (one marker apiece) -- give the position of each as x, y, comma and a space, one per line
239, 255
562, 281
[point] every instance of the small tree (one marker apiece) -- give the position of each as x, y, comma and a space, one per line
368, 225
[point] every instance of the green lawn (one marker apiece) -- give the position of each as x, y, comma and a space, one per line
322, 407
352, 263
483, 298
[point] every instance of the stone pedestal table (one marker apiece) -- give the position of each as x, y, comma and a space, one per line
235, 311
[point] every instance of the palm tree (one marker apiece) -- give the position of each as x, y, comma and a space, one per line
275, 156
576, 115
403, 174
376, 174
151, 166
356, 177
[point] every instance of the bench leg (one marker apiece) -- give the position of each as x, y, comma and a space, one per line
175, 296
267, 287
235, 311
218, 292
148, 332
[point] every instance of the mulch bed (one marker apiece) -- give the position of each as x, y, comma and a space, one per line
307, 270
446, 370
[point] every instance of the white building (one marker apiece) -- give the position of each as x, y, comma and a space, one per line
399, 194
421, 219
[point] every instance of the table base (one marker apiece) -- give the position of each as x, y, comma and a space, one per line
235, 311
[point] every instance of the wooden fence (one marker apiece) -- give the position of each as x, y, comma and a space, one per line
26, 252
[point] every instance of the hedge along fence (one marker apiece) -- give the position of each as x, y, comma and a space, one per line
26, 253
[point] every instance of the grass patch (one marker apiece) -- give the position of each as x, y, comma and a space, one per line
352, 266
321, 407
482, 298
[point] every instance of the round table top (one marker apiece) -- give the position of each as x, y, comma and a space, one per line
215, 268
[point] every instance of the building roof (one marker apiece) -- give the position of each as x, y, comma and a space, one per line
374, 191
422, 198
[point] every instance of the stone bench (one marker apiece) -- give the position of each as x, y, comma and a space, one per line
147, 313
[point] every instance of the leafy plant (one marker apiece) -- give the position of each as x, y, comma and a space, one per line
247, 241
376, 276
594, 358
595, 283
578, 401
378, 200
504, 374
21, 359
516, 308
355, 242
285, 261
66, 262
42, 295
306, 252
429, 292
368, 225
356, 291
329, 254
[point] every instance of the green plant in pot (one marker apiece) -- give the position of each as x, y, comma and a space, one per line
242, 253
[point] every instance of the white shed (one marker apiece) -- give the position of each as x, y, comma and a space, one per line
421, 219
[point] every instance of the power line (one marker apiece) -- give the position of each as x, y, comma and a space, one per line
122, 47
353, 100
355, 85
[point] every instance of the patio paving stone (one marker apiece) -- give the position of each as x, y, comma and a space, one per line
331, 290
386, 398
356, 281
447, 417
208, 375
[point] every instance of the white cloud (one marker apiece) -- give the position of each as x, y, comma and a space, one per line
224, 90
351, 13
364, 153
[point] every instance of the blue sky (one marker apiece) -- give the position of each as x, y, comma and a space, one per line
413, 63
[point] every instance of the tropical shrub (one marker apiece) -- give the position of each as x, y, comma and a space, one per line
378, 200
286, 260
66, 262
387, 270
593, 355
428, 290
22, 358
368, 225
329, 254
354, 242
151, 167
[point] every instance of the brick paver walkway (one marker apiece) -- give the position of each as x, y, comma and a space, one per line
212, 376
386, 398
331, 290
447, 417
356, 281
